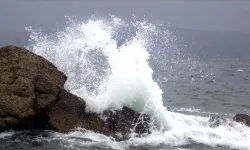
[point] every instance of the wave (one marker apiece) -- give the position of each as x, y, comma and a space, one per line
118, 75
107, 64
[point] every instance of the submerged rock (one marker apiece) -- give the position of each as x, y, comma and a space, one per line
216, 121
32, 96
242, 118
128, 120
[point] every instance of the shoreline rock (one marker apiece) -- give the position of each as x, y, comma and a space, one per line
243, 118
25, 80
69, 113
32, 96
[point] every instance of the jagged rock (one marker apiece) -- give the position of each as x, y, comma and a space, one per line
27, 83
32, 96
242, 118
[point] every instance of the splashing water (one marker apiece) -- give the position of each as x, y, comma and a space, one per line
118, 75
107, 64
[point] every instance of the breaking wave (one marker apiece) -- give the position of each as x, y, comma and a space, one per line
107, 61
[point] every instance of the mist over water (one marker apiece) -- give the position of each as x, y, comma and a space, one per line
109, 64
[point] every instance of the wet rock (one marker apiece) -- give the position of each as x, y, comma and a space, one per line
6, 122
243, 118
69, 113
127, 121
216, 121
45, 101
28, 84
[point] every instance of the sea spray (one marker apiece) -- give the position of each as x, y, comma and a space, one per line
105, 74
107, 64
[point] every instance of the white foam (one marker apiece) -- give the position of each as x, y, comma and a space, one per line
82, 138
6, 134
198, 111
231, 135
128, 80
228, 135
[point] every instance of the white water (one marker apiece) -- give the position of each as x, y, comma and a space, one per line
110, 69
6, 134
128, 77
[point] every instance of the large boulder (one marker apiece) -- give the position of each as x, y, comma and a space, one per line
29, 85
32, 96
69, 113
243, 118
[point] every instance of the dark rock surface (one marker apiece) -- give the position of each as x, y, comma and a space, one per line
29, 84
32, 96
128, 120
69, 113
243, 118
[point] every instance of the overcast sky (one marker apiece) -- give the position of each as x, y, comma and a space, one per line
224, 15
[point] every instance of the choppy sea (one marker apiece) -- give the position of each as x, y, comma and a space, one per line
114, 63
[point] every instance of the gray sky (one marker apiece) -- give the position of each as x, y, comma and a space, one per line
216, 15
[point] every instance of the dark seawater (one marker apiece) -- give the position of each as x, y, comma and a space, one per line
224, 93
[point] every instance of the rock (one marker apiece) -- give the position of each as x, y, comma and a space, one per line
6, 122
29, 84
45, 101
32, 96
128, 120
69, 113
242, 118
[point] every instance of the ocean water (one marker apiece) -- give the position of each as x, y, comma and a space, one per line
111, 63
